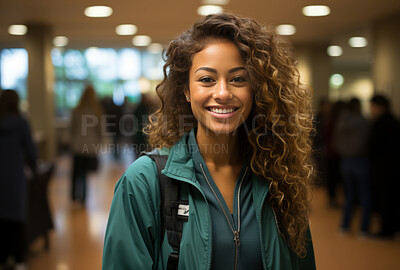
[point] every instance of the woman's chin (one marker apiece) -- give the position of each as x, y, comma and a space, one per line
222, 130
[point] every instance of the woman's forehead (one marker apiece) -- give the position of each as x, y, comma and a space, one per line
218, 53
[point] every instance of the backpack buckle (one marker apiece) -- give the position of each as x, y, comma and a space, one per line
173, 260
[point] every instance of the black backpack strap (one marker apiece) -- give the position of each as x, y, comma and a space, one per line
173, 211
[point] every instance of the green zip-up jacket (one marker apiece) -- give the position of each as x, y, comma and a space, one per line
133, 238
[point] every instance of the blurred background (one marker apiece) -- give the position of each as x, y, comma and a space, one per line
51, 51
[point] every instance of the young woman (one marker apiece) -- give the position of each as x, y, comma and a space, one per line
85, 132
235, 124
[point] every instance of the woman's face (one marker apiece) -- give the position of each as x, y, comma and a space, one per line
219, 91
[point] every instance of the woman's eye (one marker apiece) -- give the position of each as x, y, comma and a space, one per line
238, 79
206, 80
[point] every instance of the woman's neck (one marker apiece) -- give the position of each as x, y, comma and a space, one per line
219, 150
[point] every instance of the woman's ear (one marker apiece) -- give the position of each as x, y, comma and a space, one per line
187, 95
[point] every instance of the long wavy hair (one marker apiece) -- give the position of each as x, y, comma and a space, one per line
279, 126
89, 100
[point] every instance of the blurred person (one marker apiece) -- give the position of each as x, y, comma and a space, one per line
384, 149
320, 123
141, 113
331, 157
113, 114
350, 140
86, 140
127, 121
17, 151
231, 83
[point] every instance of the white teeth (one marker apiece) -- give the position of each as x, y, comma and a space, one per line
222, 111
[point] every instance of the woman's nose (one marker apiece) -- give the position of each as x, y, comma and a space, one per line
222, 92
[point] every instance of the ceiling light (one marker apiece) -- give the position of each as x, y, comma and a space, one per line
141, 40
334, 51
126, 29
336, 80
286, 29
215, 2
358, 42
209, 9
155, 48
316, 10
17, 29
98, 11
93, 48
60, 41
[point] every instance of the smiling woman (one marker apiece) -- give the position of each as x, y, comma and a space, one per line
233, 129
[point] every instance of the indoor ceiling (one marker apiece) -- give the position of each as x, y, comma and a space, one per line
165, 19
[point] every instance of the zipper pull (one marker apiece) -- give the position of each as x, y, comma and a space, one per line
236, 238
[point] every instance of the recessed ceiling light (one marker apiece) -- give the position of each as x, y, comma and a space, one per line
141, 40
358, 42
336, 80
17, 29
60, 41
155, 48
98, 11
334, 51
286, 29
209, 9
126, 29
316, 10
215, 2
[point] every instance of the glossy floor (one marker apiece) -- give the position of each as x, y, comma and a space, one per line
76, 242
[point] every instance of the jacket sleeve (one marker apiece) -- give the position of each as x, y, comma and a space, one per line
132, 235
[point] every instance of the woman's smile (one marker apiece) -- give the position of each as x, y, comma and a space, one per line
222, 112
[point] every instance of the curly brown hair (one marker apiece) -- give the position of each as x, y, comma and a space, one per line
281, 118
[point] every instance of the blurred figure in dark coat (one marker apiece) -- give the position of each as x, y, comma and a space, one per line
384, 149
332, 159
350, 140
17, 150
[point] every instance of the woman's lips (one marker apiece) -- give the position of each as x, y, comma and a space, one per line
222, 112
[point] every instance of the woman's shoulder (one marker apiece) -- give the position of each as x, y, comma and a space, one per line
14, 122
142, 166
142, 173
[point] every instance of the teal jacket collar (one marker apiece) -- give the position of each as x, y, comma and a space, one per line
180, 166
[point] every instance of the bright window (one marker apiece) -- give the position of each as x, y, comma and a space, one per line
14, 70
114, 73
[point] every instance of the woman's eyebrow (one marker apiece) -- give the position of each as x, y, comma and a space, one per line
213, 70
236, 69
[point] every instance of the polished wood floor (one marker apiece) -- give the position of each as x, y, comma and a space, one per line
77, 239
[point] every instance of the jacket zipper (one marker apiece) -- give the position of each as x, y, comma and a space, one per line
276, 221
236, 233
261, 238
